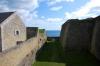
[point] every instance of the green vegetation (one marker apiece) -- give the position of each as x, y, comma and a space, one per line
51, 54
41, 30
48, 64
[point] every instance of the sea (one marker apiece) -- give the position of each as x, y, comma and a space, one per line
53, 33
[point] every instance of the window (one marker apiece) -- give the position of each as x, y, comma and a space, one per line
16, 32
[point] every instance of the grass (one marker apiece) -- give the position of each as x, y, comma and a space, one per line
51, 54
48, 64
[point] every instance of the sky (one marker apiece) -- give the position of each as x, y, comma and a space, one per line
51, 14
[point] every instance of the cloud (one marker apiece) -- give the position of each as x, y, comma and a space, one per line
53, 2
57, 8
42, 17
69, 0
19, 4
50, 23
25, 8
55, 23
84, 11
54, 19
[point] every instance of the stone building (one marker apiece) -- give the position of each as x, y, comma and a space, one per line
12, 30
18, 44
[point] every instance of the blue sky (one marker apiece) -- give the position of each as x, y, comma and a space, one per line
51, 14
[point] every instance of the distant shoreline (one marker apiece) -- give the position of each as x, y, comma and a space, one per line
53, 33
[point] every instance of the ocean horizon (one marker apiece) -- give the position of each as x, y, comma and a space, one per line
53, 33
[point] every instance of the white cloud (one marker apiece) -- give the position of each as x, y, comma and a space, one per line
69, 0
54, 19
25, 8
84, 11
53, 2
42, 17
57, 8
68, 15
50, 23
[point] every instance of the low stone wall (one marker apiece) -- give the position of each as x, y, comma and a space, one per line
22, 55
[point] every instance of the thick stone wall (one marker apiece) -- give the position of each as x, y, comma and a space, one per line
77, 35
41, 37
63, 34
95, 45
0, 41
23, 54
82, 35
29, 59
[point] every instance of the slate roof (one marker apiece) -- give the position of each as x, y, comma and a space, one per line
4, 15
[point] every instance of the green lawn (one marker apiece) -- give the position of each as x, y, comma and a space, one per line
51, 54
48, 64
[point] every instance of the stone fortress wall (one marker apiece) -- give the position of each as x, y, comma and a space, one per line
18, 43
81, 35
24, 53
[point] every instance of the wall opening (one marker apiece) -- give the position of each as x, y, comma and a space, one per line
19, 42
16, 32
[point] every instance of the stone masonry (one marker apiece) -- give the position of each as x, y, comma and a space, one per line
15, 48
81, 35
9, 29
77, 35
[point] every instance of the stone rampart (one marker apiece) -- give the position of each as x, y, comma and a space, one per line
77, 35
23, 54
